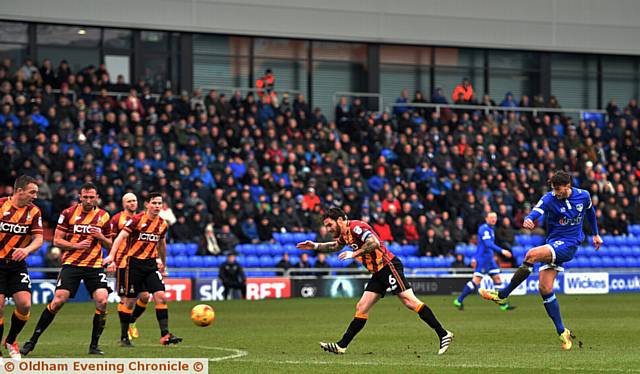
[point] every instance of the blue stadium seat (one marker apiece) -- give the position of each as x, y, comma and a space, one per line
461, 248
581, 262
170, 261
289, 248
412, 262
595, 261
287, 237
635, 250
261, 249
43, 250
410, 249
334, 261
210, 261
619, 262
240, 259
177, 248
196, 261
441, 262
267, 261
632, 262
36, 275
426, 262
624, 250
607, 262
191, 249
252, 261
277, 236
181, 261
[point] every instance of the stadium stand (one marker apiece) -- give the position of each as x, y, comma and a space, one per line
259, 175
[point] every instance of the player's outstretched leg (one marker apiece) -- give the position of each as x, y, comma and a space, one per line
124, 313
47, 316
409, 299
365, 303
356, 325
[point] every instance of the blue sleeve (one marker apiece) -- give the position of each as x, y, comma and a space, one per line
488, 241
538, 210
591, 217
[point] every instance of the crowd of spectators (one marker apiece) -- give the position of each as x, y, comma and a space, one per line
237, 169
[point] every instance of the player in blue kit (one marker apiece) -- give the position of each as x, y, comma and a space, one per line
485, 262
564, 209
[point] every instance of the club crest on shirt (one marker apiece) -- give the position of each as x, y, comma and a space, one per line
579, 207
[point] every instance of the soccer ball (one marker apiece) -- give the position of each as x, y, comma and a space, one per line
203, 315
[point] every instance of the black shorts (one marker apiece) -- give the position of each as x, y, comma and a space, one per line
14, 277
70, 277
139, 276
390, 277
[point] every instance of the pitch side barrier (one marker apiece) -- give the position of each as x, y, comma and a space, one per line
340, 282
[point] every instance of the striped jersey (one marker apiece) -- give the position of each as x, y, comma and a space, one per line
17, 226
118, 222
355, 237
75, 223
144, 235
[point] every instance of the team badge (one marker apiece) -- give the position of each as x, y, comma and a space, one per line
579, 207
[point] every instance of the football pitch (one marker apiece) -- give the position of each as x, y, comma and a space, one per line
276, 336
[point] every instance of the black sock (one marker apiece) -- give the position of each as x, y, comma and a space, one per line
99, 321
17, 323
45, 320
519, 276
354, 328
125, 317
430, 319
137, 311
162, 315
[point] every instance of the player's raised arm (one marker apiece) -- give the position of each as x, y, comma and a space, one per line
536, 212
370, 245
319, 247
124, 234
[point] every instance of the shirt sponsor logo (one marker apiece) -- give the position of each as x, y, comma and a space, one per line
564, 221
83, 229
148, 237
13, 228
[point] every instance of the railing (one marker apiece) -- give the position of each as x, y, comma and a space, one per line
117, 95
489, 109
244, 90
335, 100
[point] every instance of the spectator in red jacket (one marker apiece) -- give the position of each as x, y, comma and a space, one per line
383, 229
410, 230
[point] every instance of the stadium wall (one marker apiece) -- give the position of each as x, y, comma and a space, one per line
551, 25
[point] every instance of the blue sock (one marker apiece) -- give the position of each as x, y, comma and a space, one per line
468, 289
553, 310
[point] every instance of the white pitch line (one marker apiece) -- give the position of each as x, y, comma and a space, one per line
236, 353
436, 365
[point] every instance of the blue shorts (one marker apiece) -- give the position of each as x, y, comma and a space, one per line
561, 252
486, 265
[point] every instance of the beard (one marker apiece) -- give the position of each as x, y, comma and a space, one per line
337, 233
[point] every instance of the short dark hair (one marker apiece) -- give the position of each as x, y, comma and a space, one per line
334, 213
560, 178
89, 186
23, 181
153, 195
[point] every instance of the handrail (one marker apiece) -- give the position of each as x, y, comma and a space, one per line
248, 89
488, 108
117, 95
334, 100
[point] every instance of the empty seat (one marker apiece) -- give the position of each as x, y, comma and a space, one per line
632, 262
412, 262
181, 261
252, 261
170, 262
426, 262
176, 248
607, 262
267, 261
196, 261
191, 249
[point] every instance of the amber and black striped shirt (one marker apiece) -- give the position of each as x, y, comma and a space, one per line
17, 226
75, 224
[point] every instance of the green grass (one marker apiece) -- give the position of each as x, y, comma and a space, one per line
282, 336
